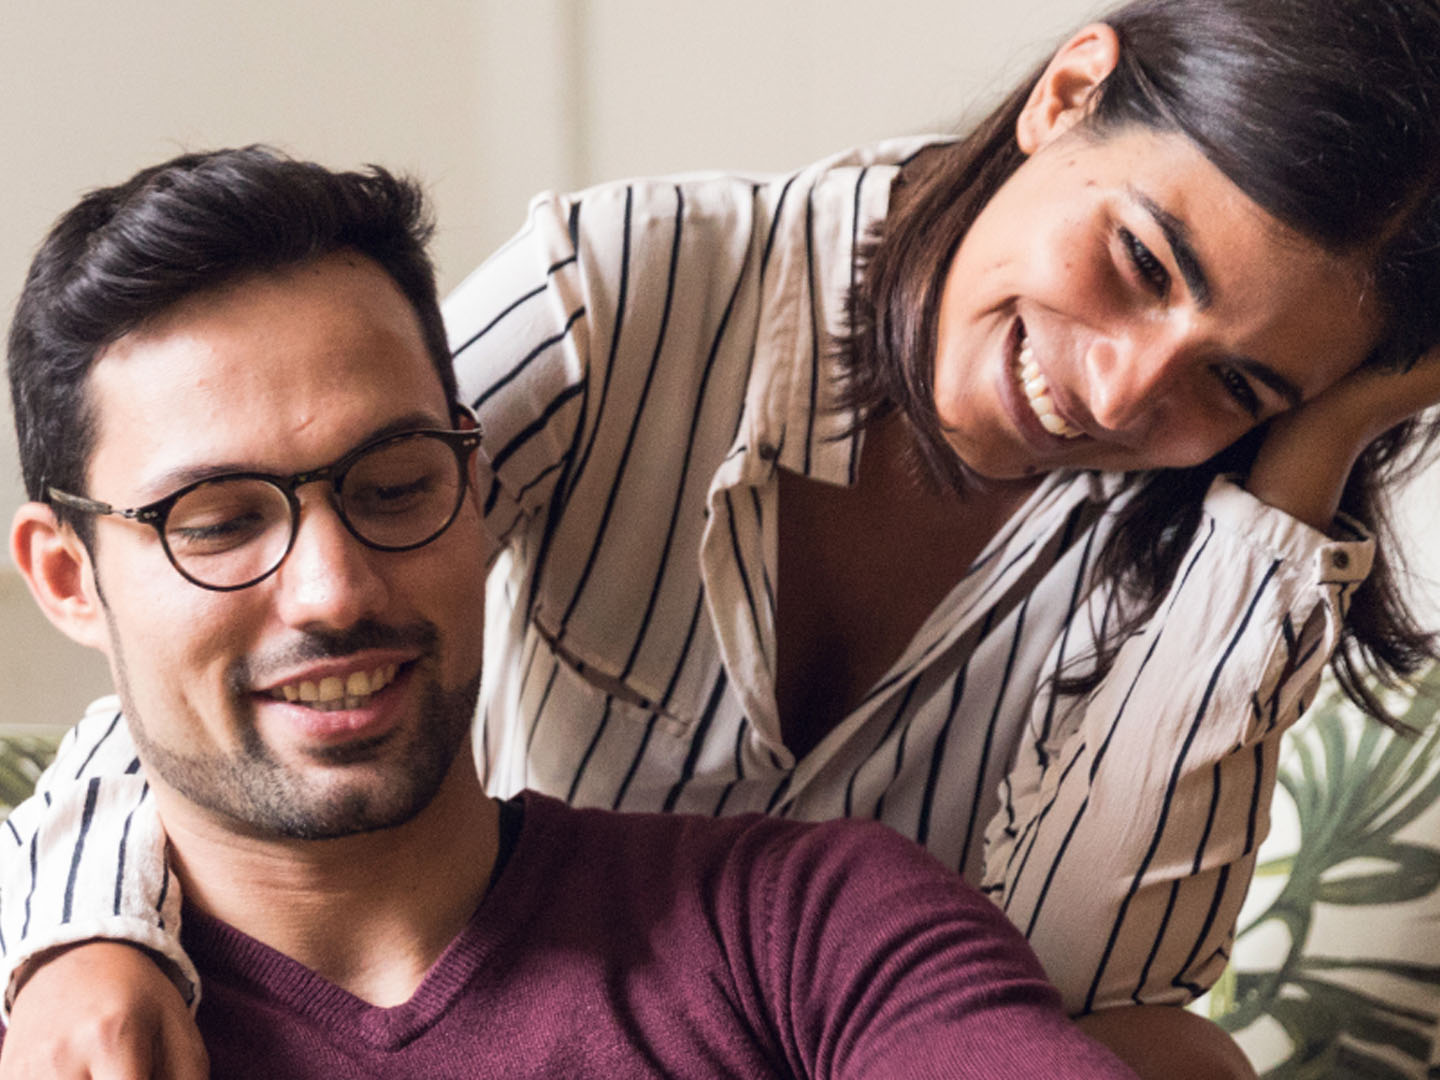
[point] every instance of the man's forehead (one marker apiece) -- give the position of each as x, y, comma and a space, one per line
288, 362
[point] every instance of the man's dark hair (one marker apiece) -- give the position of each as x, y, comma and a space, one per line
125, 254
1327, 114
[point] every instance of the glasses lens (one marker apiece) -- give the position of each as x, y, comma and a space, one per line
402, 493
229, 531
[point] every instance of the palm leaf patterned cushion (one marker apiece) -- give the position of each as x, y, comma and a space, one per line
23, 757
1336, 966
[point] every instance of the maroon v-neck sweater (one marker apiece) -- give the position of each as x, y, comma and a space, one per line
662, 945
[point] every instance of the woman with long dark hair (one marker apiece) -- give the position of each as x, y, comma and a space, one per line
1013, 489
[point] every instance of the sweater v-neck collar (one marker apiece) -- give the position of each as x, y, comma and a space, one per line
227, 954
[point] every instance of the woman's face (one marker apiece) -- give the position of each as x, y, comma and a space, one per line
1120, 304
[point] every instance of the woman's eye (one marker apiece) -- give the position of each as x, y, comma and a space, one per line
1150, 269
1240, 390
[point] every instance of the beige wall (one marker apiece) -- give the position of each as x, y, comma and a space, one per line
487, 100
760, 84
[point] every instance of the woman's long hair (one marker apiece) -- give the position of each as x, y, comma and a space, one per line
1326, 113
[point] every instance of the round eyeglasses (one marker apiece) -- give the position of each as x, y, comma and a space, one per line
227, 532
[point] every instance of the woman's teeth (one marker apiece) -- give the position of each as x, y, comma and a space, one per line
333, 692
1037, 393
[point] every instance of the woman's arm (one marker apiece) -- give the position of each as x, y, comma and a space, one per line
1136, 814
1302, 468
1131, 817
84, 858
1162, 1042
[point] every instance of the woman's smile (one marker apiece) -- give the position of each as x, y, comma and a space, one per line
1037, 390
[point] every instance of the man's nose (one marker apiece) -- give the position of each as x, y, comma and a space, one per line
329, 578
1132, 377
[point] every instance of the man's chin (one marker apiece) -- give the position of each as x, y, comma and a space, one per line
323, 791
351, 810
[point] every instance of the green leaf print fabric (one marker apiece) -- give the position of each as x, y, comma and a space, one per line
1336, 967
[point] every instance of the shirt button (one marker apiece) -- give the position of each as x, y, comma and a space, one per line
1340, 560
769, 451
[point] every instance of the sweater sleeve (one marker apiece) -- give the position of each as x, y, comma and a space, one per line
84, 857
875, 962
1153, 792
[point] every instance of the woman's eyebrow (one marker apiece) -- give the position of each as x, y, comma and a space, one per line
1177, 235
1273, 379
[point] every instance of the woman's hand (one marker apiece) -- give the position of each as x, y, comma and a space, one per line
1308, 452
101, 1010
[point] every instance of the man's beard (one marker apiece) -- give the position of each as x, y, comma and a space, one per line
252, 789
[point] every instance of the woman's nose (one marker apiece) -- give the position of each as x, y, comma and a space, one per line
1131, 378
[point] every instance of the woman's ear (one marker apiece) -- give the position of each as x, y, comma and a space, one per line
57, 568
1063, 95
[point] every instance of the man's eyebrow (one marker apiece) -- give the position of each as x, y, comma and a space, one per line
185, 475
1177, 235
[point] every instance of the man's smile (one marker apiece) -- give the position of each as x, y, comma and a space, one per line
336, 692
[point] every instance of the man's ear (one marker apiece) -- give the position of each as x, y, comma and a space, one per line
1063, 95
57, 568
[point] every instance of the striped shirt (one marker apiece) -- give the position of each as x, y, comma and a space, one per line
644, 357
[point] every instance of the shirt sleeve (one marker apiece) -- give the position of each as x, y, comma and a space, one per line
876, 962
558, 338
84, 857
520, 328
1150, 796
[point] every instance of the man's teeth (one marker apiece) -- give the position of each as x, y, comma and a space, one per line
333, 692
1037, 392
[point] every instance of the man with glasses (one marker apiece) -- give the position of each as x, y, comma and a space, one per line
254, 492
